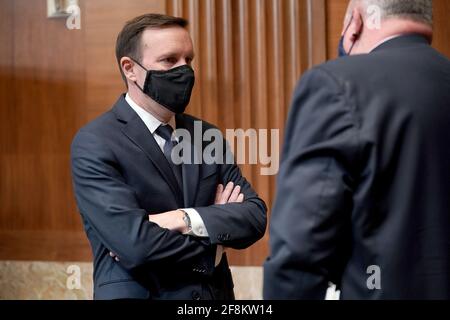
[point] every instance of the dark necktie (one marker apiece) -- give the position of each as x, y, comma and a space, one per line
165, 132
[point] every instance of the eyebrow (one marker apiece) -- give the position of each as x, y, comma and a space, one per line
174, 54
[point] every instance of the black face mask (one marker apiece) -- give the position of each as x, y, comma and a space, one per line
172, 88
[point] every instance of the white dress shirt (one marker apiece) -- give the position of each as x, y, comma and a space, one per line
198, 226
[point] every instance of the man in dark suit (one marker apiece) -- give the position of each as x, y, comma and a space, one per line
158, 228
364, 186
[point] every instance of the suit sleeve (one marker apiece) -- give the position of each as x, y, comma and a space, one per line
235, 225
110, 207
309, 231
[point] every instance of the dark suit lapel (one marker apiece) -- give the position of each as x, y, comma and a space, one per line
191, 172
137, 132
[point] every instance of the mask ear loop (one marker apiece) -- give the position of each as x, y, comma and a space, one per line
140, 65
346, 29
355, 35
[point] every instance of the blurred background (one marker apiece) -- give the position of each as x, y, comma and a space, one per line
53, 80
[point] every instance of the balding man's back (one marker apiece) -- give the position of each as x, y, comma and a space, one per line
363, 194
400, 97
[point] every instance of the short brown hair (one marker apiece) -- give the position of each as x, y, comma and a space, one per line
129, 39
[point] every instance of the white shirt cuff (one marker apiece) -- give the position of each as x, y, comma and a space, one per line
199, 230
198, 226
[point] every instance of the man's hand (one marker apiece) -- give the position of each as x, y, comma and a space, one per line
172, 220
230, 194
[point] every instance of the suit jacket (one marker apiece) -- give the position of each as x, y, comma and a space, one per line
364, 185
121, 176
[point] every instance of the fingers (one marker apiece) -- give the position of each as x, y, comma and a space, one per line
222, 195
218, 193
235, 194
229, 194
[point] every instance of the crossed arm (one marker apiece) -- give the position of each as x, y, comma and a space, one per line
173, 220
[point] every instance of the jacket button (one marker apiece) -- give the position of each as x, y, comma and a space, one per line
195, 295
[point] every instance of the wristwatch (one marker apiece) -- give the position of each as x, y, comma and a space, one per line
187, 220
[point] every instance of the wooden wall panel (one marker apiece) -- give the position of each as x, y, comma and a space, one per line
335, 19
441, 39
6, 79
44, 89
316, 11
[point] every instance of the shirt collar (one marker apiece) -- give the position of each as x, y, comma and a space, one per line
150, 121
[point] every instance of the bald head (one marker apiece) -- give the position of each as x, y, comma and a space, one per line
369, 22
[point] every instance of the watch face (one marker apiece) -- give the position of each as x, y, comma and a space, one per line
187, 220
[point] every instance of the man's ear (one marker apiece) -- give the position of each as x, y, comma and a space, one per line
357, 24
127, 66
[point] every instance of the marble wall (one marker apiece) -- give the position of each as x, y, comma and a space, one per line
31, 280
44, 280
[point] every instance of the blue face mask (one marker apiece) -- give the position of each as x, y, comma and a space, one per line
341, 49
